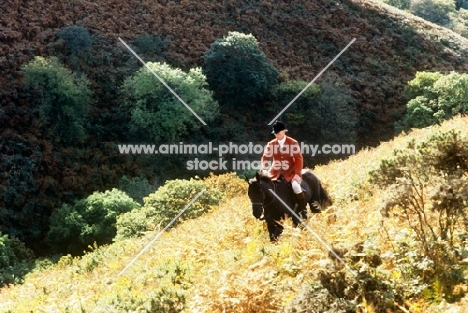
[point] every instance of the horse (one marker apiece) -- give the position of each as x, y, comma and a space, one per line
265, 203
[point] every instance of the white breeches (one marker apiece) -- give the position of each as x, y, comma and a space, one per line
296, 187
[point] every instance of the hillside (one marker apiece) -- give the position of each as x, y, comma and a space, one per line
391, 45
223, 261
299, 38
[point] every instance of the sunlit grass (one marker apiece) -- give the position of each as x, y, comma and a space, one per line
222, 261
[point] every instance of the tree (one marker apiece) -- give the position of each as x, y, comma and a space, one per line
74, 227
435, 11
303, 117
76, 38
434, 98
339, 117
64, 97
155, 113
238, 71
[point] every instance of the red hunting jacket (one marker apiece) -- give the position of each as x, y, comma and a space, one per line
286, 160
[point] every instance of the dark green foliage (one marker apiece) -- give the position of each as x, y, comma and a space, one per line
63, 97
76, 38
426, 186
75, 227
303, 116
21, 213
434, 98
435, 11
324, 113
152, 46
7, 254
400, 4
156, 114
238, 71
338, 113
163, 205
137, 188
16, 260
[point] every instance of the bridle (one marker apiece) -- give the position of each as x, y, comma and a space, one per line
263, 197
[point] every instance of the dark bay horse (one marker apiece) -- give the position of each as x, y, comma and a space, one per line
273, 210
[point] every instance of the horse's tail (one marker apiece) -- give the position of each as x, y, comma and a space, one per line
324, 197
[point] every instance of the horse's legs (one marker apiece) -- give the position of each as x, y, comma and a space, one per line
295, 220
274, 228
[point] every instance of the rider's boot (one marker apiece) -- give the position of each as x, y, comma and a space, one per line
314, 208
301, 203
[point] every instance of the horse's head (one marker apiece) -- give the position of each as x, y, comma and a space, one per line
256, 196
256, 191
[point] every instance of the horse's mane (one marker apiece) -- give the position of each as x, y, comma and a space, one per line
264, 176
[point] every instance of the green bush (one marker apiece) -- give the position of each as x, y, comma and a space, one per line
434, 98
323, 113
77, 38
163, 205
23, 211
16, 260
74, 228
338, 114
303, 116
426, 187
400, 4
152, 46
156, 114
64, 97
238, 71
229, 184
435, 11
137, 188
7, 254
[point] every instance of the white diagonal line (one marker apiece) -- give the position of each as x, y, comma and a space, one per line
161, 232
313, 80
162, 81
314, 233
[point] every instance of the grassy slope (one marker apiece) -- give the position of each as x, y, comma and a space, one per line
223, 260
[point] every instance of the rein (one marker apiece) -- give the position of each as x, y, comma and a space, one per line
273, 199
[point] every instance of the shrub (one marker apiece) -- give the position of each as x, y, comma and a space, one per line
137, 188
156, 114
7, 254
152, 46
238, 71
434, 98
229, 184
77, 38
64, 97
15, 260
304, 113
435, 11
426, 187
323, 113
23, 212
400, 4
163, 205
74, 228
338, 113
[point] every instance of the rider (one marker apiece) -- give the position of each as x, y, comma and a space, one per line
283, 156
